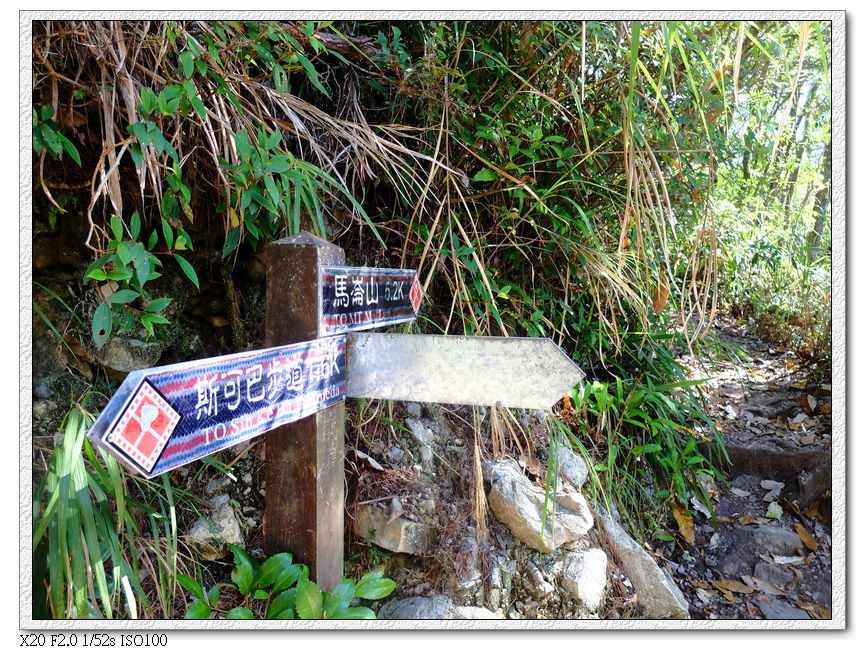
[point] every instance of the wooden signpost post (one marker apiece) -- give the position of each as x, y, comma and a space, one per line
165, 417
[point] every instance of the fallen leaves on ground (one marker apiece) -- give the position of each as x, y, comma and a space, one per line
733, 585
815, 610
750, 519
806, 537
686, 524
763, 586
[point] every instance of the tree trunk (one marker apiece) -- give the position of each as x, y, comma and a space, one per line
822, 203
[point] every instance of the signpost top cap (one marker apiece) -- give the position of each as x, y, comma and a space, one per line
304, 238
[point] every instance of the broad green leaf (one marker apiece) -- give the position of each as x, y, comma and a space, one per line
119, 274
140, 131
283, 602
116, 226
123, 297
244, 570
187, 63
273, 140
198, 610
275, 195
188, 270
372, 586
485, 174
124, 253
97, 264
186, 238
280, 80
278, 164
340, 598
97, 274
241, 143
101, 327
312, 73
272, 569
353, 613
192, 586
157, 305
135, 225
231, 242
148, 101
308, 600
70, 148
168, 233
213, 596
647, 449
240, 613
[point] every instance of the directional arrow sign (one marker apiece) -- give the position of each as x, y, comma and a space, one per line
168, 416
359, 298
513, 372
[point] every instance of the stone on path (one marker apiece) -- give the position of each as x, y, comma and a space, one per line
520, 506
474, 613
417, 607
572, 467
657, 594
398, 535
778, 609
212, 536
771, 573
775, 540
584, 575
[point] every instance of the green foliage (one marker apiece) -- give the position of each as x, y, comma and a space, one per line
655, 438
772, 201
86, 554
129, 264
47, 136
280, 589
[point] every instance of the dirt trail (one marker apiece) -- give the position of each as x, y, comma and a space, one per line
770, 557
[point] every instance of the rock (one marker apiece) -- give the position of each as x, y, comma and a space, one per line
395, 455
42, 391
779, 541
777, 609
584, 575
417, 607
657, 594
213, 535
814, 483
399, 535
473, 613
218, 484
127, 355
537, 584
467, 572
501, 579
43, 408
519, 505
426, 455
572, 467
413, 409
771, 573
419, 431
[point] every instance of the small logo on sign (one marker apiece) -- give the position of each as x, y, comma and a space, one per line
415, 294
145, 427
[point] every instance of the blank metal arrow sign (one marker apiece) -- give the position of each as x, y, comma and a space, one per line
478, 370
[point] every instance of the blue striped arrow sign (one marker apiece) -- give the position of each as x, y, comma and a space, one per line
162, 418
359, 298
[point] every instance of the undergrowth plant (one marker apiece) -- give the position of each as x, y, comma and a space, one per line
89, 548
650, 437
280, 589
